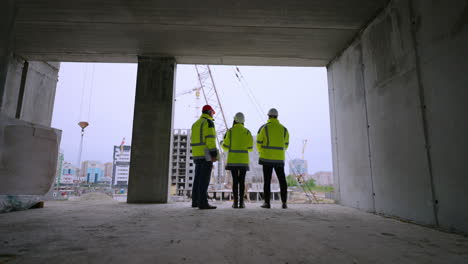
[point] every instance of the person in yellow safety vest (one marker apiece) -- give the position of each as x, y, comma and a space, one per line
204, 153
238, 142
272, 143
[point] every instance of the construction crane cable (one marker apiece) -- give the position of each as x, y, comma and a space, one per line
249, 95
91, 88
303, 185
248, 92
80, 115
246, 85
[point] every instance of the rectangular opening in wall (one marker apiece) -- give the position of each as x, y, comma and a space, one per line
99, 97
300, 94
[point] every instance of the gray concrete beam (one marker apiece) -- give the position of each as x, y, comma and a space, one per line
152, 128
243, 32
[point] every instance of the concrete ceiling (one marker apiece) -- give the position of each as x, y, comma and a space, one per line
242, 32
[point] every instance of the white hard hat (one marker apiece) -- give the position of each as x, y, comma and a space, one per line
239, 118
273, 112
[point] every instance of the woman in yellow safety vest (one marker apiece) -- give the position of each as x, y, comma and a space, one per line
238, 142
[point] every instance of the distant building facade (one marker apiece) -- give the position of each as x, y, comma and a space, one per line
121, 166
182, 166
70, 174
323, 178
60, 161
92, 171
298, 167
108, 171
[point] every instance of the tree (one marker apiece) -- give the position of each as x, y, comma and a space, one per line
291, 180
310, 183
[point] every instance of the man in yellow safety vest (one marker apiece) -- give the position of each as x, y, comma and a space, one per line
204, 153
238, 143
272, 143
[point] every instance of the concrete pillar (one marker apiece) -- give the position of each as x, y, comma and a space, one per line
6, 27
152, 126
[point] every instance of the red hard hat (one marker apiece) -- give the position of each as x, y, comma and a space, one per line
208, 108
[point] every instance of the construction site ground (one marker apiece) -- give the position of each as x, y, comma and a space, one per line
107, 231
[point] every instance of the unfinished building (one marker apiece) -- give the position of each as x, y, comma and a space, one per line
396, 71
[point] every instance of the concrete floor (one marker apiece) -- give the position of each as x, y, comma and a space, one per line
114, 232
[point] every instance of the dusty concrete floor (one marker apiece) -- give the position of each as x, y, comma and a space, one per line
113, 232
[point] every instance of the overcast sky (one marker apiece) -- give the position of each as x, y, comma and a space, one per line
103, 95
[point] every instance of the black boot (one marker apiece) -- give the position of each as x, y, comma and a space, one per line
207, 206
235, 204
266, 205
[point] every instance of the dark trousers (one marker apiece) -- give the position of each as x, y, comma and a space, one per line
201, 182
238, 186
267, 173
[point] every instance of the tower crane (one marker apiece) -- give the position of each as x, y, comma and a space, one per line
196, 89
197, 98
304, 144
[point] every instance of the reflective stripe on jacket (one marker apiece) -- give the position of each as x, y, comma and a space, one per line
272, 142
238, 142
203, 137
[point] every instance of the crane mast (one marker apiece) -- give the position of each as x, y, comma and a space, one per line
304, 144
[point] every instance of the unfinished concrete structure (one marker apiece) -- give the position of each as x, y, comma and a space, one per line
397, 80
182, 166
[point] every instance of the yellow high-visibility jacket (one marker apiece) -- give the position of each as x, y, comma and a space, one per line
272, 142
203, 137
238, 142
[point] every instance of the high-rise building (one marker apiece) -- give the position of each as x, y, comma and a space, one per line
182, 166
92, 171
121, 166
298, 167
108, 169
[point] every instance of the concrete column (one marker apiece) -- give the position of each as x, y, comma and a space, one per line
6, 27
152, 126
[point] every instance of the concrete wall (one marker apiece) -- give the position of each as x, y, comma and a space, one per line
441, 34
398, 98
40, 78
39, 92
11, 88
40, 82
349, 114
27, 93
28, 157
